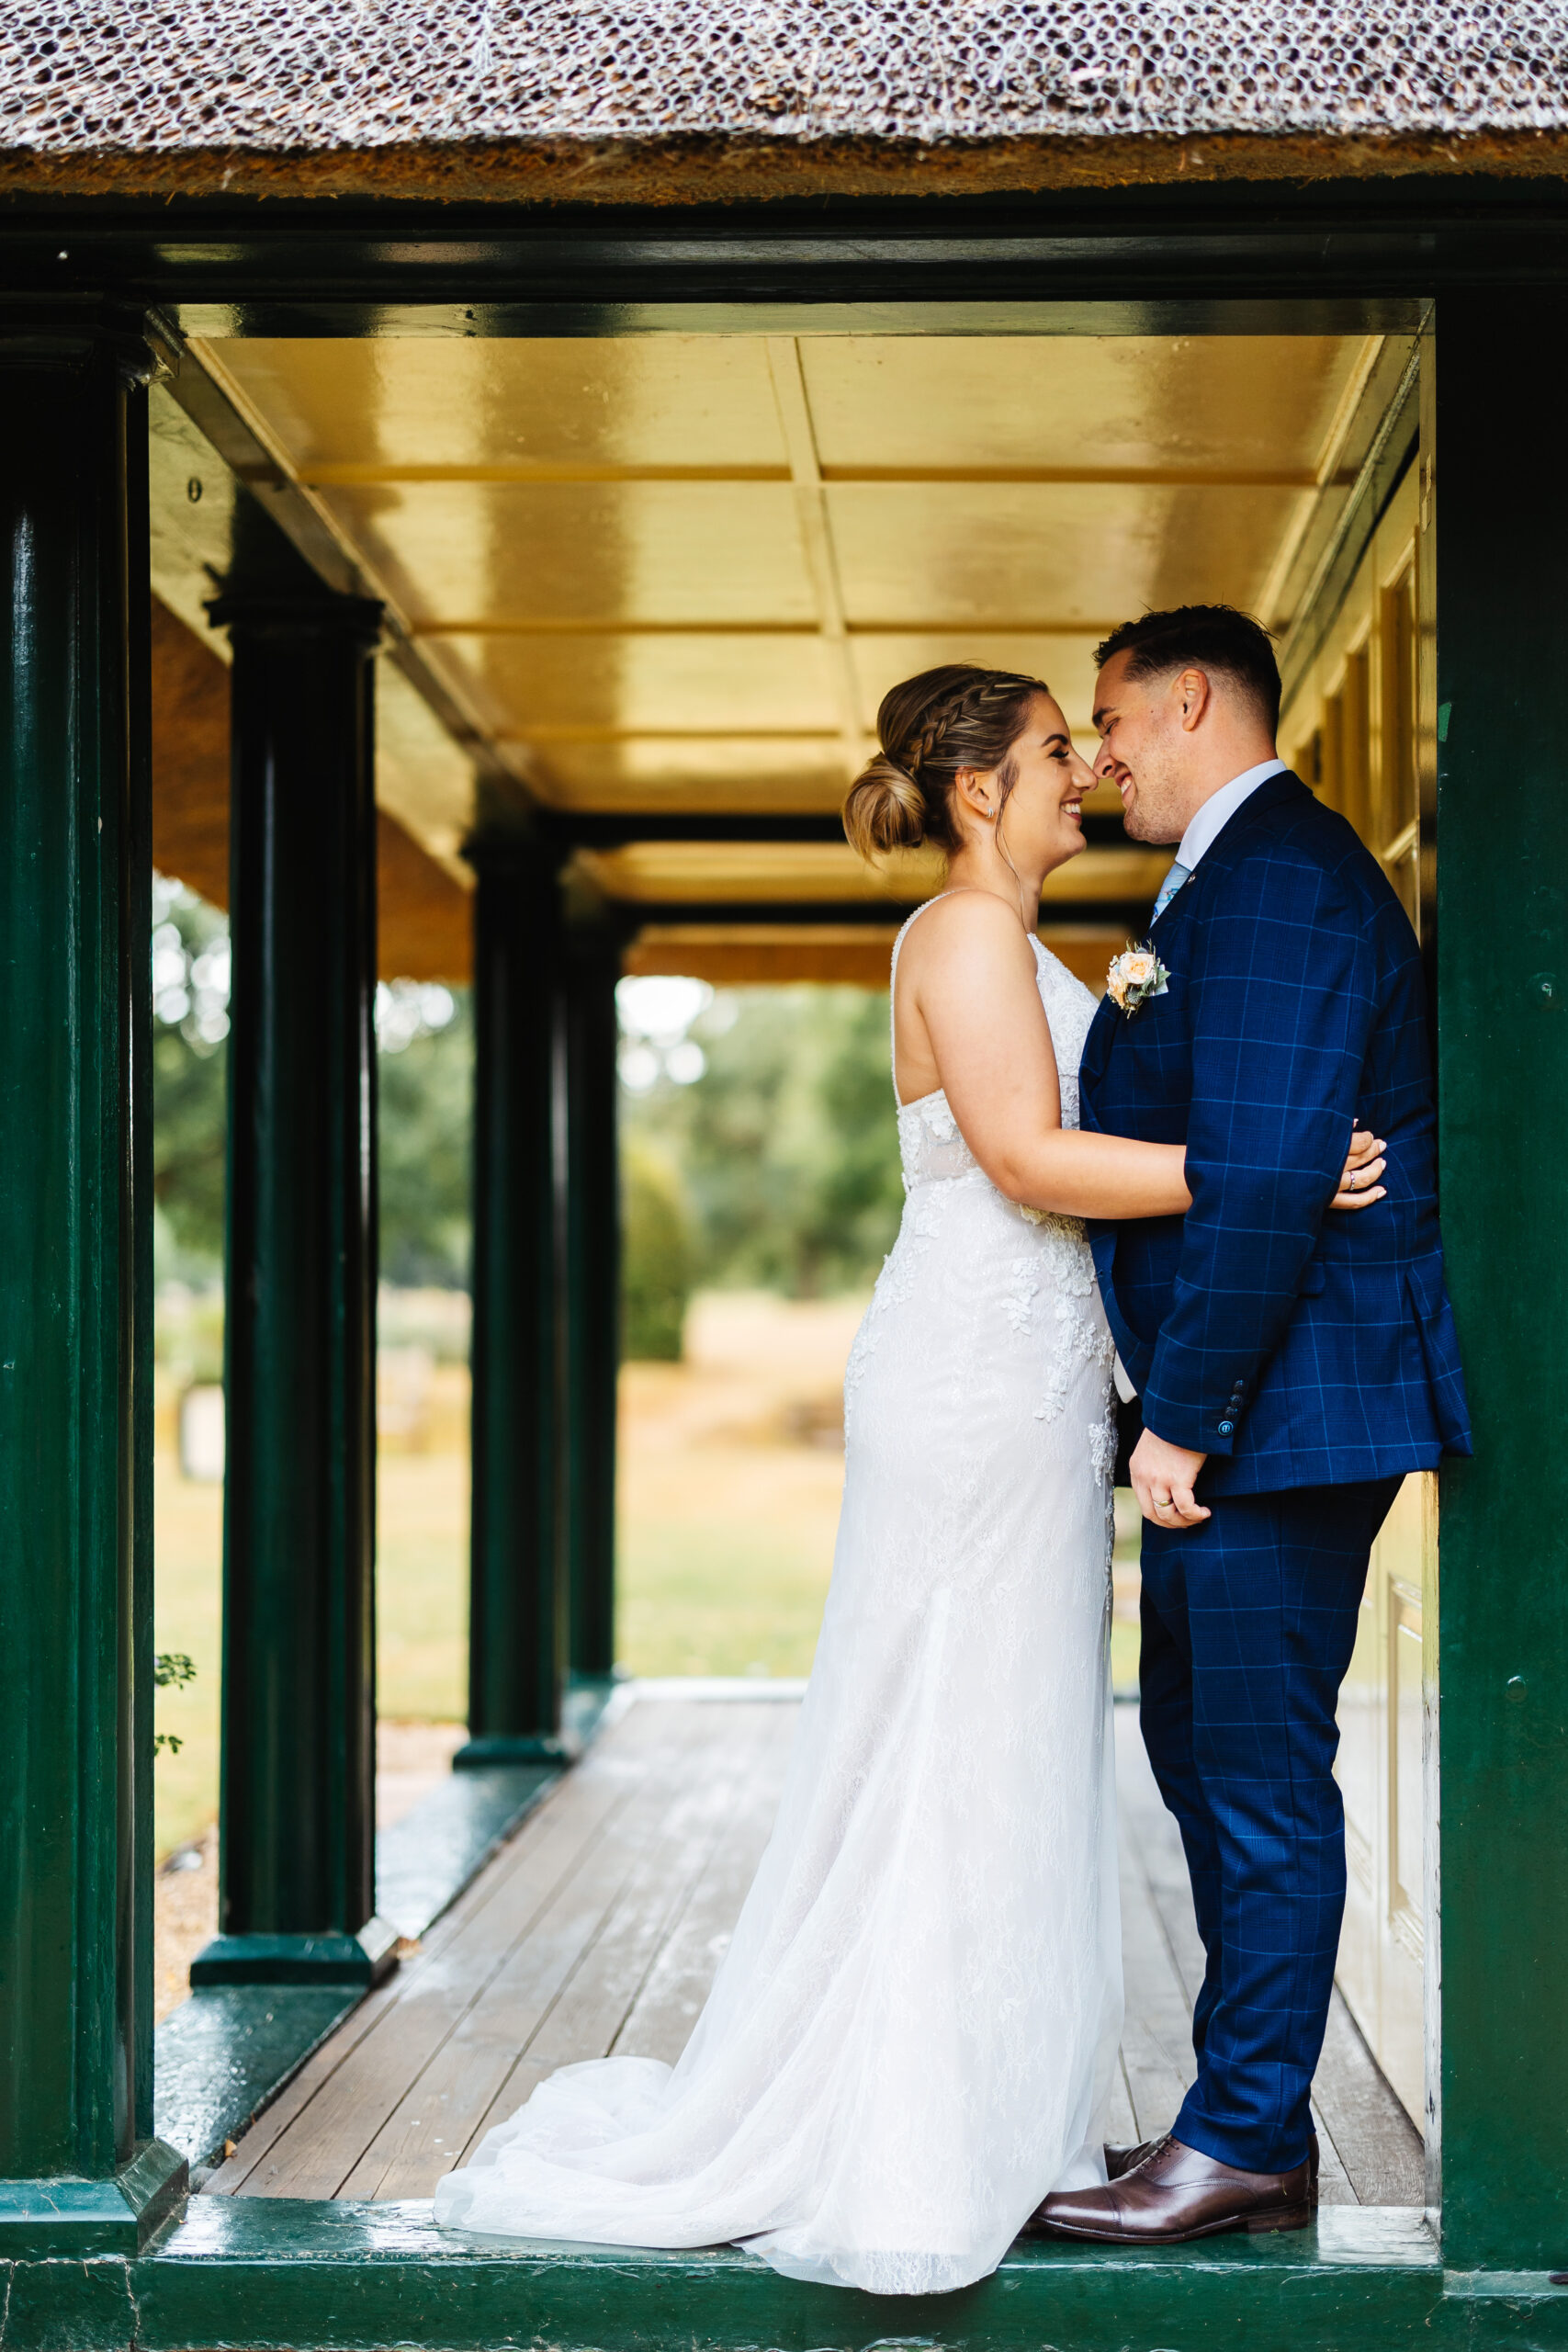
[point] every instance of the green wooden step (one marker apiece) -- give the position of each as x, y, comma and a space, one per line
290, 2273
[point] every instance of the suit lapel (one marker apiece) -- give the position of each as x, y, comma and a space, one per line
1165, 931
1097, 1049
1109, 1021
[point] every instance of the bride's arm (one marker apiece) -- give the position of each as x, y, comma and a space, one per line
978, 994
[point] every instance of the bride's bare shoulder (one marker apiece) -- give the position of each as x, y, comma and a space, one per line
969, 926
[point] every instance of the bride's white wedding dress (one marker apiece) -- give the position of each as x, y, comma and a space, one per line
912, 2035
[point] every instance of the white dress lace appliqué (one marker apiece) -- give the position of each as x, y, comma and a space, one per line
912, 2036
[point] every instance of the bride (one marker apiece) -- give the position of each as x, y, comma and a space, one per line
912, 2035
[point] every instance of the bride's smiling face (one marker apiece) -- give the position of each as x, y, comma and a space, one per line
1042, 813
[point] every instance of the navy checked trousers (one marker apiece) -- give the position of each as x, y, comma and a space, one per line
1249, 1622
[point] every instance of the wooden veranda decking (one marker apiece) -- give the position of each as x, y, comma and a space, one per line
600, 1926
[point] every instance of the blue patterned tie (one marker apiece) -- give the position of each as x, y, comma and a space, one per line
1173, 881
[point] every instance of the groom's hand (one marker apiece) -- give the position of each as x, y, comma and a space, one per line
1162, 1478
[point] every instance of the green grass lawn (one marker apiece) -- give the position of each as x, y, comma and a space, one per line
422, 1607
421, 1586
187, 1613
717, 1598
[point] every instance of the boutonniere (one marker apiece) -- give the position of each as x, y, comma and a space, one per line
1135, 976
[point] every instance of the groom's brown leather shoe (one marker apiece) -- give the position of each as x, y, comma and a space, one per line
1177, 2194
1119, 2160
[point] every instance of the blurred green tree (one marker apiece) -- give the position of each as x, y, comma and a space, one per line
424, 1082
656, 1261
786, 1146
190, 1024
425, 1077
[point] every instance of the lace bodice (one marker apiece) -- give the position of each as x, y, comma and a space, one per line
929, 1142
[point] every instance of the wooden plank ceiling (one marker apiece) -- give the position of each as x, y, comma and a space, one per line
669, 576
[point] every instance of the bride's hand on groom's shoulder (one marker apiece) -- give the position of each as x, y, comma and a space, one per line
1359, 1186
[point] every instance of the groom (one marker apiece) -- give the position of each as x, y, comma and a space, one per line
1292, 1365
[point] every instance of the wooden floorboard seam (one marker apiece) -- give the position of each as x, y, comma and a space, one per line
762, 1781
317, 2075
599, 1803
599, 1928
679, 1979
459, 2036
683, 1803
366, 2173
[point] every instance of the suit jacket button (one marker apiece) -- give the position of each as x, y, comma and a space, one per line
1227, 1429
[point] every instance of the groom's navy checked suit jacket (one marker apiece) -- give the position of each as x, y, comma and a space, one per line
1293, 1344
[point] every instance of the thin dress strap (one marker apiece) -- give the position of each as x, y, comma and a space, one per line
893, 984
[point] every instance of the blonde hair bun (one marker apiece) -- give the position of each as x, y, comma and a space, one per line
886, 809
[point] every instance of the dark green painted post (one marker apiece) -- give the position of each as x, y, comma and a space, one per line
519, 1620
79, 2170
298, 1831
138, 1948
1502, 600
592, 1303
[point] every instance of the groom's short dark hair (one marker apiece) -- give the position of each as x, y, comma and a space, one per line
1200, 637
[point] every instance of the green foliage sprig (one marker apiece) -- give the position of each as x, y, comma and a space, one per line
171, 1670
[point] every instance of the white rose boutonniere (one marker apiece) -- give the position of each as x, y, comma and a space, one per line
1135, 976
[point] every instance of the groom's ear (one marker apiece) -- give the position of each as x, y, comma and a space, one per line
1193, 694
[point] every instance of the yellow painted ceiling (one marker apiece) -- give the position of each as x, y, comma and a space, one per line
648, 873
677, 573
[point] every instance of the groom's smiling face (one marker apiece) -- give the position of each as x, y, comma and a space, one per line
1144, 748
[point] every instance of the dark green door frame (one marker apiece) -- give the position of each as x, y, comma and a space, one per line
298, 1806
1255, 260
1363, 251
1502, 728
80, 2171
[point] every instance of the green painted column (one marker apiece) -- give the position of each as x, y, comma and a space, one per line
80, 2172
1502, 722
592, 1267
298, 1806
519, 1624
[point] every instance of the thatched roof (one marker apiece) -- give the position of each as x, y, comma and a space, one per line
1421, 80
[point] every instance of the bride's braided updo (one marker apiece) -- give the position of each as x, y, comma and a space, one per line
960, 716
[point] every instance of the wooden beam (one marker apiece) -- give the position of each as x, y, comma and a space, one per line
605, 829
218, 409
426, 919
344, 474
736, 962
612, 625
817, 542
190, 759
1123, 916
